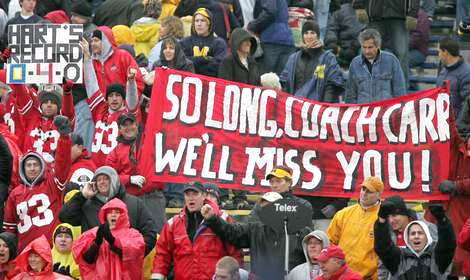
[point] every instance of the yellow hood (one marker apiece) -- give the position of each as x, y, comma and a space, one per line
146, 32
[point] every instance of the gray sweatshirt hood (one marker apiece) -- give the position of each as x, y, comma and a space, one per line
426, 231
114, 178
39, 178
318, 234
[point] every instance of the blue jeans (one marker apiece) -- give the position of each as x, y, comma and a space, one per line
429, 6
84, 124
396, 38
275, 57
416, 58
463, 11
322, 8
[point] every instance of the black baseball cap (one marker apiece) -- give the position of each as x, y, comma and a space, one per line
126, 116
194, 186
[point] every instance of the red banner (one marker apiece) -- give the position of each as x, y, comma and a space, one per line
208, 129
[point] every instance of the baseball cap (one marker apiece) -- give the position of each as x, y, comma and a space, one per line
271, 196
373, 184
279, 173
194, 186
213, 189
124, 117
332, 251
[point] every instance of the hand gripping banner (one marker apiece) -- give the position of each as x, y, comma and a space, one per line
208, 129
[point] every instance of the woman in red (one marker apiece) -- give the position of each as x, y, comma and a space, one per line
112, 250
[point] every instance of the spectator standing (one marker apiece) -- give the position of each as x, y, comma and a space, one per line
280, 179
35, 262
106, 109
419, 39
84, 125
62, 258
422, 256
457, 72
33, 207
375, 74
394, 19
189, 243
333, 265
203, 48
170, 26
40, 133
110, 63
124, 159
240, 66
113, 250
26, 16
312, 72
313, 243
270, 25
342, 32
8, 253
267, 248
352, 229
84, 207
146, 29
116, 12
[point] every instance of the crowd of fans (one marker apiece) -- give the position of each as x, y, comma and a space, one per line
76, 207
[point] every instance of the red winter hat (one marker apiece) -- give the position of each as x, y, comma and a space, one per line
332, 251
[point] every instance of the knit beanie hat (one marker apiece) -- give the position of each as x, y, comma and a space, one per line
82, 9
98, 34
205, 13
311, 25
116, 88
63, 229
399, 206
50, 95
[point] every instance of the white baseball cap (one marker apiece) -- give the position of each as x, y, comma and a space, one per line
271, 196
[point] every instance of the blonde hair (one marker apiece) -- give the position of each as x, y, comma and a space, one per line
175, 26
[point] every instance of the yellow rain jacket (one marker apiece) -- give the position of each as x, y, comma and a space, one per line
66, 259
352, 229
146, 31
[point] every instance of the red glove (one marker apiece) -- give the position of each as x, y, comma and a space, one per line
6, 54
67, 86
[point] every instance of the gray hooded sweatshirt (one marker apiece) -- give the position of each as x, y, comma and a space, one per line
308, 270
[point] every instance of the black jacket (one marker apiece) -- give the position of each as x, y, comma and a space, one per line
115, 12
79, 211
431, 263
44, 7
231, 67
267, 247
254, 215
388, 9
6, 168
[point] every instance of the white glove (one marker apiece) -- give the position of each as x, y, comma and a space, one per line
138, 180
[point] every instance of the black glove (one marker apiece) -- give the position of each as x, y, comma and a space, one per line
386, 208
448, 186
63, 124
108, 235
100, 234
56, 267
438, 212
64, 270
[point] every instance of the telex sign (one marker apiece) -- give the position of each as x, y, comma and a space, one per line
44, 53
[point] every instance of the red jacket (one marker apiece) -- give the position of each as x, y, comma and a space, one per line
108, 265
41, 247
114, 69
458, 207
192, 260
119, 160
9, 113
32, 208
463, 241
41, 135
343, 273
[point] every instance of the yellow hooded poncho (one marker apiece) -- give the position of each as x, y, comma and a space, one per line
66, 259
